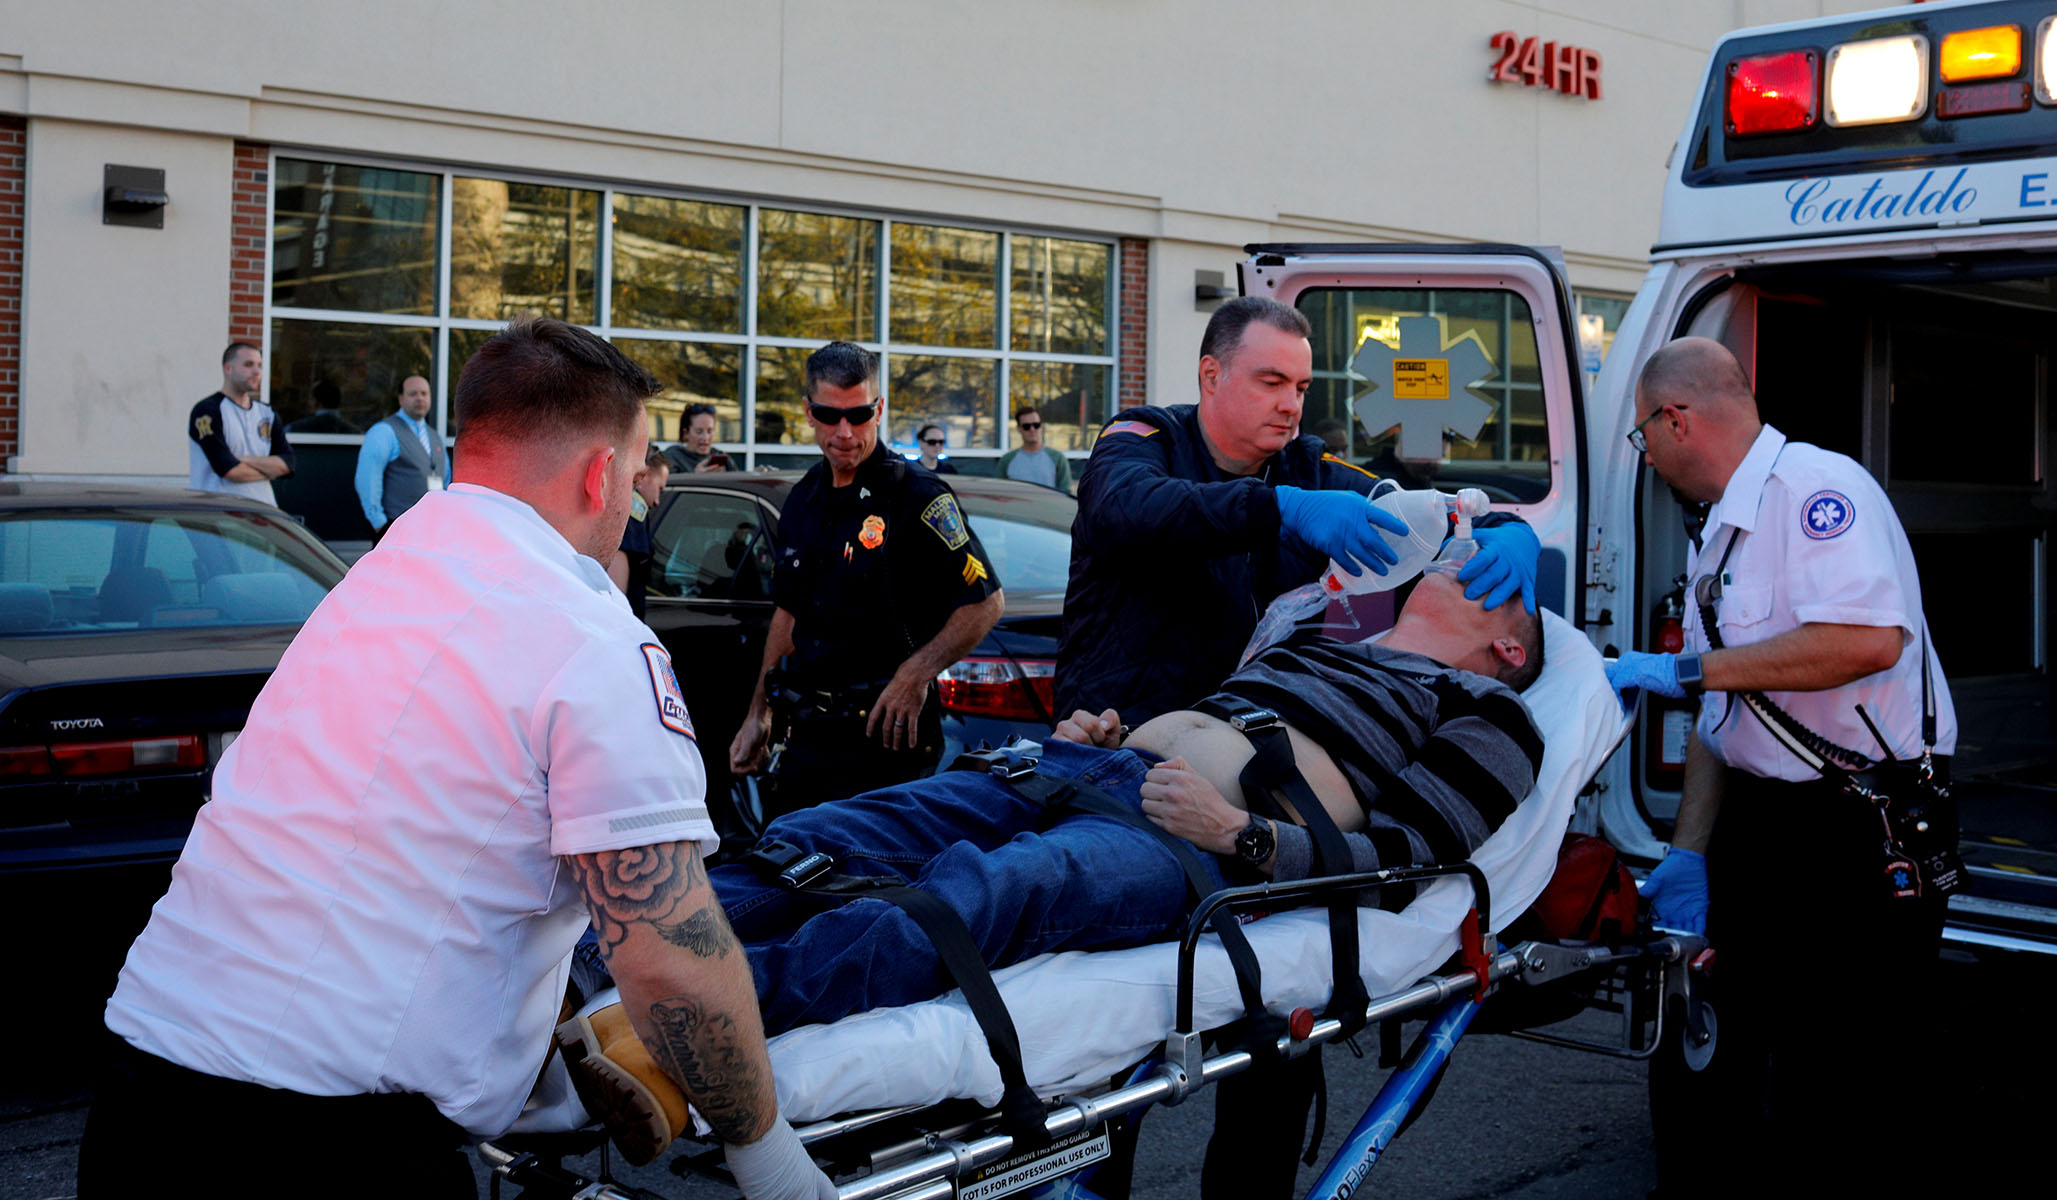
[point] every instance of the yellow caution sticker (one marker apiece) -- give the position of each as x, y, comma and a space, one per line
1421, 378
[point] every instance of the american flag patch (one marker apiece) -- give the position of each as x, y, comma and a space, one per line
1139, 428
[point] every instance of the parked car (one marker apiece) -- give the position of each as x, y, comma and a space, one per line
137, 625
715, 537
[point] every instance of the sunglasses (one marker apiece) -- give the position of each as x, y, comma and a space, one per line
931, 441
1031, 425
856, 414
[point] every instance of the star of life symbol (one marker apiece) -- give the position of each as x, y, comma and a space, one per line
1828, 514
1412, 387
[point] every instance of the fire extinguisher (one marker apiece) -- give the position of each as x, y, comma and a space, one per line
1668, 721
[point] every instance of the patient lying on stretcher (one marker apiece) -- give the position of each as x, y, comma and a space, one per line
1416, 746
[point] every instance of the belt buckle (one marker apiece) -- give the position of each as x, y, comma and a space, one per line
807, 870
1254, 720
791, 866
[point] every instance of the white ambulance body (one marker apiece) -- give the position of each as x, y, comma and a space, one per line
1865, 210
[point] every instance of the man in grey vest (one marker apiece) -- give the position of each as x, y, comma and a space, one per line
401, 461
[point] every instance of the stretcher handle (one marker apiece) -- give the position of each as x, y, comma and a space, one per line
1300, 892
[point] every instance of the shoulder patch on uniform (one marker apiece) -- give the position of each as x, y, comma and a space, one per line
1353, 466
203, 427
946, 522
664, 685
1827, 514
1139, 428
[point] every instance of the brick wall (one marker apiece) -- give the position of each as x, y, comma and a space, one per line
1134, 302
13, 160
249, 225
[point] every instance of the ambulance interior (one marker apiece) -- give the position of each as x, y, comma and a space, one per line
1936, 374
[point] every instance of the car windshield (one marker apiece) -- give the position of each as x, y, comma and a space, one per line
70, 572
1029, 537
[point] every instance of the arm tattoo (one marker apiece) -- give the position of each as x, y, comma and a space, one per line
642, 883
706, 933
705, 1052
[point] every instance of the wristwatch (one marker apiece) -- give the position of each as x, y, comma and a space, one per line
1689, 673
1254, 845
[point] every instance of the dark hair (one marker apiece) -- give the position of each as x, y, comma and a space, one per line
841, 365
1528, 630
230, 353
540, 379
696, 410
655, 458
1026, 410
1225, 328
924, 431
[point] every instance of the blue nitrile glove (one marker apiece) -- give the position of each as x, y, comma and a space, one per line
1635, 670
1505, 563
1677, 891
1340, 525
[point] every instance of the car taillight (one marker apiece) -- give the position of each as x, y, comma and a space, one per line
1773, 93
1005, 688
79, 759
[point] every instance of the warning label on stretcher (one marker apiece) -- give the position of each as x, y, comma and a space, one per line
1059, 1158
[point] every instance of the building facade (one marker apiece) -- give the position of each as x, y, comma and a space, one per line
1015, 205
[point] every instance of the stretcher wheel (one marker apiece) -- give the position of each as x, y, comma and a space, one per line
1697, 1057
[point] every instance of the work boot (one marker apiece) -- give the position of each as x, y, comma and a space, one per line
619, 1082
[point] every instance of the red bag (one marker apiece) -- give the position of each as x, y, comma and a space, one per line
1591, 898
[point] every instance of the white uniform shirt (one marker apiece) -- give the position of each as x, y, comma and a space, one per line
1815, 541
374, 899
247, 431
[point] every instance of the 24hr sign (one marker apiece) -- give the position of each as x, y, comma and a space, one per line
1573, 70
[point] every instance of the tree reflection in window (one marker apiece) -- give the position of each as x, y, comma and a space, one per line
818, 276
691, 373
678, 264
956, 393
1058, 295
944, 286
1071, 396
523, 247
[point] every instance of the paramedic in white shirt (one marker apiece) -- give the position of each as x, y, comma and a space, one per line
1820, 609
367, 939
234, 442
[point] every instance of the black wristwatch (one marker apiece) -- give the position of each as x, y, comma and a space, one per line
1689, 674
1256, 842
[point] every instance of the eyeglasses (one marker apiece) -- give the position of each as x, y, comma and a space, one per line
934, 442
1028, 425
856, 414
1641, 441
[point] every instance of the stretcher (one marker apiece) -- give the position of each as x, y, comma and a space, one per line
899, 1102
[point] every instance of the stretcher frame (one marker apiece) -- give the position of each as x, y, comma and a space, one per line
929, 1150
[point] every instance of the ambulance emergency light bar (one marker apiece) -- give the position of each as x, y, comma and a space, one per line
1882, 80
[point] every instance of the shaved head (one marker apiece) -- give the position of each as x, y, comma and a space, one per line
1696, 415
1697, 371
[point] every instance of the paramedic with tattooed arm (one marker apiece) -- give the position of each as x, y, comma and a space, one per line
1819, 607
470, 749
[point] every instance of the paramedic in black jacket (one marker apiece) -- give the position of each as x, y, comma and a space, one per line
1191, 519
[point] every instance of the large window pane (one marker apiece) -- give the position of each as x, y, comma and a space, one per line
678, 264
355, 238
331, 377
1072, 397
817, 276
956, 393
781, 407
523, 247
1058, 296
692, 373
944, 286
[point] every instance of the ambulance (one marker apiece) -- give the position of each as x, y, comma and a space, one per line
1864, 209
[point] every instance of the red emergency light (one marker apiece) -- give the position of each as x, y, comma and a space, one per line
1773, 93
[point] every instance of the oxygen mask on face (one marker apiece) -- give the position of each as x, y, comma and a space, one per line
1461, 546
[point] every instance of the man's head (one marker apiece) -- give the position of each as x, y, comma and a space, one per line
700, 427
242, 371
655, 474
414, 397
1505, 643
842, 385
553, 415
1255, 368
1696, 417
1029, 420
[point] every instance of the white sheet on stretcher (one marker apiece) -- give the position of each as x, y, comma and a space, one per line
1084, 1016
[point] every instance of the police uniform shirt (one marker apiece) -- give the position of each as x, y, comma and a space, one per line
873, 571
219, 432
1815, 541
374, 899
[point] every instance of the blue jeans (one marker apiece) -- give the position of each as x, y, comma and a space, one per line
1025, 881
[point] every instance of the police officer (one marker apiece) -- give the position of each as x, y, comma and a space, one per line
1817, 605
1190, 520
880, 584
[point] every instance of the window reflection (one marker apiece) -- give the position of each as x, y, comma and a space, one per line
692, 373
956, 393
945, 289
1058, 296
335, 377
523, 247
817, 276
361, 239
781, 409
1072, 397
678, 264
463, 344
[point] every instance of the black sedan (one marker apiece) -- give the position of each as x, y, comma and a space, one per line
710, 603
137, 625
